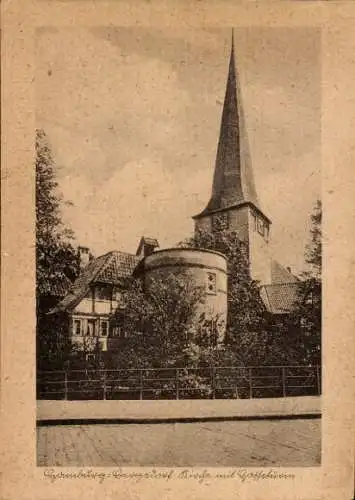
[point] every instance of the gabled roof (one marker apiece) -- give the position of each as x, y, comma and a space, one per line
282, 295
280, 274
110, 268
280, 298
56, 287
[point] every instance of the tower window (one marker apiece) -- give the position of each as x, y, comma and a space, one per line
261, 227
211, 283
220, 221
254, 221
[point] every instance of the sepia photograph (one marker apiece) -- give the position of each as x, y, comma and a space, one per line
178, 246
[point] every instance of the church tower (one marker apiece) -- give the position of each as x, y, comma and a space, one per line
234, 203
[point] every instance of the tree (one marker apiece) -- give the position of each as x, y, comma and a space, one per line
166, 327
56, 258
313, 252
246, 338
308, 314
159, 319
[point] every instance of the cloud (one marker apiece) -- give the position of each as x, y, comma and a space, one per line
105, 106
133, 117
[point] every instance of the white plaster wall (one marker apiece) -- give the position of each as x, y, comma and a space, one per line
195, 266
85, 306
102, 306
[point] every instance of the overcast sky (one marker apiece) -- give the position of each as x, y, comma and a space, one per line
133, 118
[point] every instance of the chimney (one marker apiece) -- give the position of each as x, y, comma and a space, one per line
289, 269
84, 257
147, 246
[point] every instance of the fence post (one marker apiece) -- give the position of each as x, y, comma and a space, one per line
140, 383
104, 387
250, 383
318, 379
65, 385
177, 382
213, 382
284, 381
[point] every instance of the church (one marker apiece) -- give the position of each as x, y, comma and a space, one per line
234, 203
234, 206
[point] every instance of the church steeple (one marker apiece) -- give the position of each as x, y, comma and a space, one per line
234, 204
233, 181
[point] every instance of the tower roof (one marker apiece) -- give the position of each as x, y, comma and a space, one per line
233, 181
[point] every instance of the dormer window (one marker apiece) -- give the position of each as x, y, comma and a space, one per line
103, 292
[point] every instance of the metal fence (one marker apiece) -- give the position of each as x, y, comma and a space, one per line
222, 382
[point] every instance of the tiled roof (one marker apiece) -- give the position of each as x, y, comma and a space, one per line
109, 269
280, 274
233, 181
118, 265
57, 287
280, 298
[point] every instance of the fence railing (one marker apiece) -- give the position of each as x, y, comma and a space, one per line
222, 382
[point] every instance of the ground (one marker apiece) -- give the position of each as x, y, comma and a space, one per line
286, 443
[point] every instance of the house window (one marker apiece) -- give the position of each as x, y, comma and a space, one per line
104, 328
103, 345
118, 331
211, 283
309, 299
77, 327
90, 328
90, 357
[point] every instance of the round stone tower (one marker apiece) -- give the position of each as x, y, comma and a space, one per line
204, 268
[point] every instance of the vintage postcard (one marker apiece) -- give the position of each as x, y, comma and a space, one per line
177, 250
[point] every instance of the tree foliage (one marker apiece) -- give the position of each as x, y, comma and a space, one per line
313, 252
56, 259
160, 319
308, 314
245, 336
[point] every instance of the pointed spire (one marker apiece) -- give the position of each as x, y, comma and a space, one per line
233, 181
